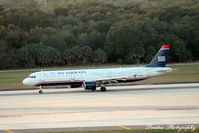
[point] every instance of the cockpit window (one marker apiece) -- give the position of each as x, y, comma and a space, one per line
31, 76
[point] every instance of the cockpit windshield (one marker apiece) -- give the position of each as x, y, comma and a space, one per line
31, 76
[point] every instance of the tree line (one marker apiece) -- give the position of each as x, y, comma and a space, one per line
65, 32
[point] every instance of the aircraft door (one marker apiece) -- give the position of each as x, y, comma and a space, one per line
42, 76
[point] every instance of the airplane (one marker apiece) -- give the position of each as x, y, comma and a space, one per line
90, 79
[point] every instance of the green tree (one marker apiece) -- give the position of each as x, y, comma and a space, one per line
87, 54
179, 51
78, 55
67, 56
1, 8
99, 56
15, 37
127, 31
3, 47
149, 53
61, 11
119, 40
135, 55
123, 37
75, 55
38, 55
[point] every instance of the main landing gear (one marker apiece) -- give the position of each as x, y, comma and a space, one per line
93, 89
40, 89
103, 88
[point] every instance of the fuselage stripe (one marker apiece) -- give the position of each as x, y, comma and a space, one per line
66, 81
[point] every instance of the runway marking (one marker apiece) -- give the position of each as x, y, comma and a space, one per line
8, 131
124, 127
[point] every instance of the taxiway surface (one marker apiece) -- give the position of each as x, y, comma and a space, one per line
120, 105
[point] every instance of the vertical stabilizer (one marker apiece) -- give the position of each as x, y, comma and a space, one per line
160, 58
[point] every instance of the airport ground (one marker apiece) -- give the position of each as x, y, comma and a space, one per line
121, 107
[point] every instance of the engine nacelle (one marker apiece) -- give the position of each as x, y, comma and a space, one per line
90, 85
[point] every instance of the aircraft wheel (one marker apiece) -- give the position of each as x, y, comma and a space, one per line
40, 91
103, 88
93, 89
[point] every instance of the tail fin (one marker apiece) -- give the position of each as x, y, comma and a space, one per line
160, 58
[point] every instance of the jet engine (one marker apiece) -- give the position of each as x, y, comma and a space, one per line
90, 85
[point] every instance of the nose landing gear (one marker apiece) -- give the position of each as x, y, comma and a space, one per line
40, 89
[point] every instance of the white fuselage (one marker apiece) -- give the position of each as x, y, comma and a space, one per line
93, 75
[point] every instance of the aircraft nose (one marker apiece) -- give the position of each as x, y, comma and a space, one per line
25, 81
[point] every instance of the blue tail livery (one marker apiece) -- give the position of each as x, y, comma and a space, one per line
160, 58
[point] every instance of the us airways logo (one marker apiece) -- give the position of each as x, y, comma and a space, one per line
161, 58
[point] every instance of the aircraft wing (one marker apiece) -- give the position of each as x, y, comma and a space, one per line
112, 79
